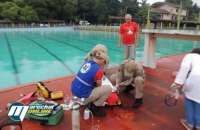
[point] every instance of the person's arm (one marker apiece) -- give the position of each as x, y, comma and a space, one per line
185, 67
119, 80
139, 72
127, 82
182, 75
98, 77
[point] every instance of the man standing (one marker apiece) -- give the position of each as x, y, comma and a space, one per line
129, 33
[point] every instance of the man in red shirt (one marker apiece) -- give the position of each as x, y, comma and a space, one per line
129, 33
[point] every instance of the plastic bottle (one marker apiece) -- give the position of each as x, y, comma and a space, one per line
13, 127
86, 114
76, 117
66, 103
21, 95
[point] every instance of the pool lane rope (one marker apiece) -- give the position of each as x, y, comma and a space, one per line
67, 44
51, 53
14, 65
90, 43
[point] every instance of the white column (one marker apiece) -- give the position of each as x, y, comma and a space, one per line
149, 51
161, 25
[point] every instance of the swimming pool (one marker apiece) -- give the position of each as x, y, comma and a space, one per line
34, 54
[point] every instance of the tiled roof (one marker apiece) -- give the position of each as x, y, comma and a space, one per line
158, 4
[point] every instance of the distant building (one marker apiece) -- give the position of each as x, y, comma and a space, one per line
167, 12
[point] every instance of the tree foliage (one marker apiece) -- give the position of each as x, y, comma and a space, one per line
17, 10
143, 11
95, 11
10, 11
193, 12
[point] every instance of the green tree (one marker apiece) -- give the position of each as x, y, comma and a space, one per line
193, 12
114, 7
17, 11
2, 1
70, 10
95, 11
86, 10
132, 7
100, 6
65, 9
28, 14
10, 11
40, 6
20, 3
143, 12
54, 9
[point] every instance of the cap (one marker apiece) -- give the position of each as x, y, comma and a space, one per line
130, 66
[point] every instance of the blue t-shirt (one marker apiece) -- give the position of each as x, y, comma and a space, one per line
84, 82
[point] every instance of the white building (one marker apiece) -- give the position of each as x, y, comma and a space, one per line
167, 11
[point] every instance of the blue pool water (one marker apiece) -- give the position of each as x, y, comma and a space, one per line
28, 55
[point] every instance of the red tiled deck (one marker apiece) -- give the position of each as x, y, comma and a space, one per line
153, 115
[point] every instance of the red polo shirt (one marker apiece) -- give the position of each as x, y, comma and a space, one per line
128, 32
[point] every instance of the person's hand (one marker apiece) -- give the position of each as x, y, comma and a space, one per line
174, 91
115, 88
121, 84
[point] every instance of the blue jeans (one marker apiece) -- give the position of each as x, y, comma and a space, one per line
192, 110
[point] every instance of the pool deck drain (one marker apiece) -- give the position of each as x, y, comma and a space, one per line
153, 115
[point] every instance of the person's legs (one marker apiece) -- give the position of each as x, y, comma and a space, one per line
126, 52
189, 112
129, 51
132, 52
197, 115
99, 95
97, 99
139, 85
